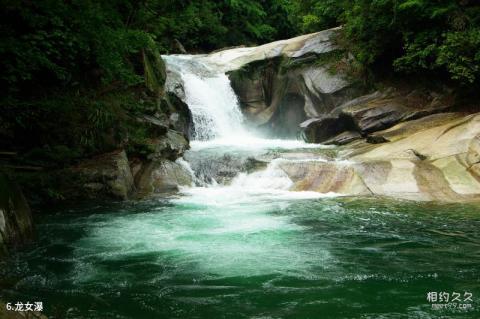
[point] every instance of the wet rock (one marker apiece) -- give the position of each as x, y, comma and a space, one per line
343, 138
16, 225
381, 110
161, 177
170, 146
324, 177
180, 117
319, 130
107, 175
376, 115
376, 139
278, 94
426, 159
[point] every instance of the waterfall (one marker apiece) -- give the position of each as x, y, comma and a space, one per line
207, 92
222, 150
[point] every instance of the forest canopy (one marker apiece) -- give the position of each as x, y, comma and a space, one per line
64, 43
441, 37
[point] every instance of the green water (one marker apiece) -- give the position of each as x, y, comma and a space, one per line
208, 254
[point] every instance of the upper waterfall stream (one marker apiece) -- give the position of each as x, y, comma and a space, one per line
212, 102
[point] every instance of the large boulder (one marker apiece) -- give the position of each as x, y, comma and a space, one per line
374, 112
324, 177
170, 146
107, 175
278, 95
434, 158
162, 176
313, 43
16, 225
382, 110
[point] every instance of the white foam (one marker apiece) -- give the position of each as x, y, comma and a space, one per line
249, 142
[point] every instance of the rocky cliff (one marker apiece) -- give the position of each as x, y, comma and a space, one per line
399, 141
106, 154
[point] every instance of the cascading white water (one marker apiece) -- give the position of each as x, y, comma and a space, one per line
215, 108
217, 118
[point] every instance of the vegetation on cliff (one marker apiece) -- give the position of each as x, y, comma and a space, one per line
436, 38
74, 72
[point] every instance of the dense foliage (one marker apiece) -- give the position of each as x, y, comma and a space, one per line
74, 72
436, 37
73, 41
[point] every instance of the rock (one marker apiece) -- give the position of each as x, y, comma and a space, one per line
450, 135
285, 122
154, 70
16, 225
473, 153
324, 177
108, 173
376, 139
162, 176
381, 110
278, 98
170, 146
432, 158
180, 117
435, 158
233, 59
156, 126
319, 130
376, 115
343, 138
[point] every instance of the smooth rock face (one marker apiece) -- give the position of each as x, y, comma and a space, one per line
161, 177
273, 98
16, 226
233, 59
321, 129
376, 111
325, 177
432, 158
343, 138
108, 175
